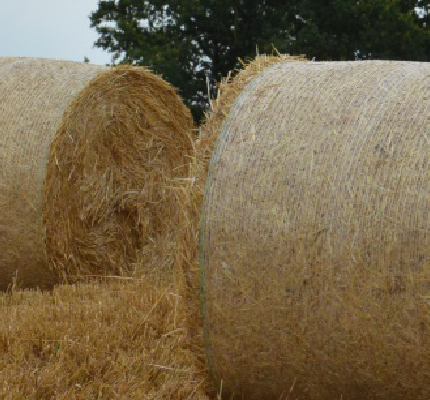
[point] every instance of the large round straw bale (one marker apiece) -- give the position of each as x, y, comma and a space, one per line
88, 160
315, 234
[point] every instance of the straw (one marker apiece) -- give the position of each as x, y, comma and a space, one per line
314, 241
90, 158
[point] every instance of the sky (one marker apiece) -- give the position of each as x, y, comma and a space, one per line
50, 29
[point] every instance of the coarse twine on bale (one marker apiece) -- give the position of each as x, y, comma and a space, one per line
91, 167
314, 240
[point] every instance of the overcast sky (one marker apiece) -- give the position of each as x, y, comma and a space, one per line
50, 29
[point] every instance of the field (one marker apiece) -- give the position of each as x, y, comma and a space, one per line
313, 248
112, 338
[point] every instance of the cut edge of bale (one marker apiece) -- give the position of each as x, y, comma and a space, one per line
119, 183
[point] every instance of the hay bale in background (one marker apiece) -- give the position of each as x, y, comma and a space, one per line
96, 152
314, 242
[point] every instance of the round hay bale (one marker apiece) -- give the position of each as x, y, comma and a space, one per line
315, 265
89, 157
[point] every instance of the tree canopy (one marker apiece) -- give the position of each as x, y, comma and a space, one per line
192, 43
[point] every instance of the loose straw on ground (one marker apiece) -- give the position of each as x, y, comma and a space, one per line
120, 338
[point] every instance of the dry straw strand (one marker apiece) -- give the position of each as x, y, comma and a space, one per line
315, 234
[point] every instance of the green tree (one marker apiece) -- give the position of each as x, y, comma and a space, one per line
337, 29
192, 43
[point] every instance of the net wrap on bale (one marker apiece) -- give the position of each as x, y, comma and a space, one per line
315, 234
89, 157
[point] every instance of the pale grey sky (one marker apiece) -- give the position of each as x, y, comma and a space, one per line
50, 29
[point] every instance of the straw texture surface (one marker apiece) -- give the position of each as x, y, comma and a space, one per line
228, 89
120, 338
113, 193
90, 159
33, 96
315, 234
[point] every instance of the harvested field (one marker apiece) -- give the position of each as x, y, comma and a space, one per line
92, 162
113, 339
314, 244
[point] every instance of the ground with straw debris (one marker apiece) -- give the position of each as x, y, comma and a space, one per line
124, 339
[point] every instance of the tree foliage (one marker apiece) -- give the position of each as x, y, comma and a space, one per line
195, 42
